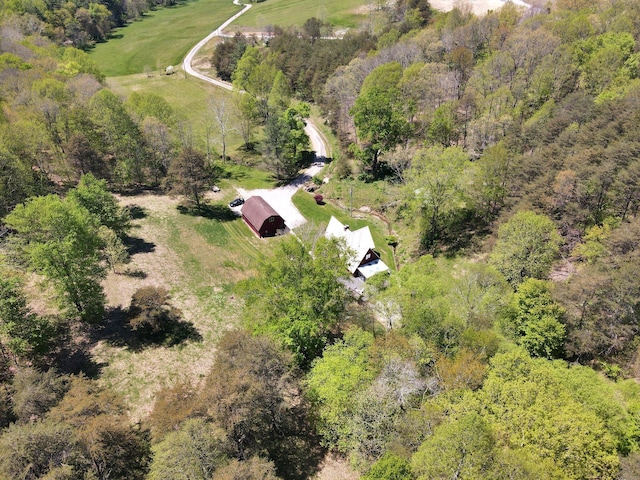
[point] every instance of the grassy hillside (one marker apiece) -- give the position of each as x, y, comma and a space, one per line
340, 13
162, 37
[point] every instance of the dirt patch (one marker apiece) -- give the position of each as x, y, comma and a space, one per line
334, 467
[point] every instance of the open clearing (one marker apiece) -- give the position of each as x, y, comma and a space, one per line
199, 260
161, 38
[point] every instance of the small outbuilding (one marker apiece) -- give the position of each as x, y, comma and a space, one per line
262, 218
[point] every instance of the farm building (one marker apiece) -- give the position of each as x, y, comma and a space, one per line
365, 261
262, 218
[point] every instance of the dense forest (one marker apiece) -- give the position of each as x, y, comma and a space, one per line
504, 346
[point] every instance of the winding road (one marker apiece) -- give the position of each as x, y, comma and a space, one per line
317, 143
279, 198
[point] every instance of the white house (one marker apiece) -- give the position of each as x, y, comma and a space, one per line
365, 261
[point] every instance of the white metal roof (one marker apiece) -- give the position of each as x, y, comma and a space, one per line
359, 241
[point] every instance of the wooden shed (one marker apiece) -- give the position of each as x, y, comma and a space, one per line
262, 218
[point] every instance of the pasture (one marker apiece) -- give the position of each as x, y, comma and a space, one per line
161, 38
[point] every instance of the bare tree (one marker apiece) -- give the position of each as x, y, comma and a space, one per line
224, 112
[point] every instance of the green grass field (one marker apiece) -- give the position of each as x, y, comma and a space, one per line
161, 38
339, 13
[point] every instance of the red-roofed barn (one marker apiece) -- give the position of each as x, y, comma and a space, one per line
262, 218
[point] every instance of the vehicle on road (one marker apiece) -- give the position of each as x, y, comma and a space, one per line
236, 202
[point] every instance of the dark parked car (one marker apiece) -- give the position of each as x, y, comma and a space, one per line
237, 202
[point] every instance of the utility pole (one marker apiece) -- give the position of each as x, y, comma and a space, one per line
351, 200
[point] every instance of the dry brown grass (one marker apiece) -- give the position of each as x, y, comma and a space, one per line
198, 275
334, 467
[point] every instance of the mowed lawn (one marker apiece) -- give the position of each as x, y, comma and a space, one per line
189, 98
320, 215
285, 13
162, 37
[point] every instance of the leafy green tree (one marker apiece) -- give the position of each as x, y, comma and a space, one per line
286, 140
113, 250
298, 298
119, 136
59, 239
439, 180
149, 104
23, 332
193, 452
460, 448
525, 400
527, 246
378, 114
534, 320
335, 379
390, 467
93, 195
227, 54
189, 174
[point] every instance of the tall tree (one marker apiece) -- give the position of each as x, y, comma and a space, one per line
189, 174
379, 114
298, 298
527, 246
59, 239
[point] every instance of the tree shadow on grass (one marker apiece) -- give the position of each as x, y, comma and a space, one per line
136, 212
72, 356
137, 245
117, 331
212, 212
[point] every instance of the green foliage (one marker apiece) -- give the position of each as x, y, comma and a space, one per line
147, 104
92, 194
606, 61
390, 467
460, 448
335, 379
527, 246
535, 410
298, 298
25, 333
378, 114
286, 140
193, 452
534, 320
189, 174
59, 239
440, 182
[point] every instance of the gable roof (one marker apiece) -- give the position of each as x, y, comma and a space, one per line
359, 241
256, 211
